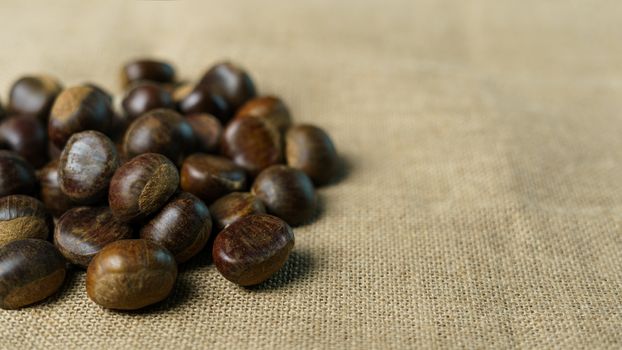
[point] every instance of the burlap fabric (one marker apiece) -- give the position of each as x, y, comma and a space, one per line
481, 203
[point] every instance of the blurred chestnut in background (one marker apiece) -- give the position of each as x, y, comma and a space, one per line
144, 97
22, 217
56, 202
147, 70
207, 131
234, 206
270, 108
202, 100
311, 150
210, 177
27, 137
34, 95
231, 82
17, 176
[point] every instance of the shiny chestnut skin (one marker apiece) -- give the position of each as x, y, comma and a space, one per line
147, 70
27, 137
161, 131
252, 143
311, 150
30, 271
270, 108
22, 217
231, 82
287, 193
181, 91
207, 131
77, 109
252, 249
83, 231
86, 166
210, 177
142, 186
16, 175
182, 226
202, 100
144, 97
55, 201
130, 274
234, 206
34, 95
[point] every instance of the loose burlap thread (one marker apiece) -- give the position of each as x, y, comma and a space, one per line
480, 206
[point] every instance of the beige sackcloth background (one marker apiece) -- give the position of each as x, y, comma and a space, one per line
481, 205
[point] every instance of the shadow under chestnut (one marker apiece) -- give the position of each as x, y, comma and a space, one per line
298, 267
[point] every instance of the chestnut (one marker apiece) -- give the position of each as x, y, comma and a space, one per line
202, 100
32, 270
145, 97
269, 107
234, 206
231, 82
86, 166
182, 226
34, 95
181, 91
77, 109
141, 186
2, 112
161, 131
311, 150
22, 217
149, 70
252, 249
55, 201
100, 89
82, 232
130, 274
16, 175
210, 177
27, 137
207, 131
287, 193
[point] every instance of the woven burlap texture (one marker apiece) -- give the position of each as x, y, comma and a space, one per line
481, 201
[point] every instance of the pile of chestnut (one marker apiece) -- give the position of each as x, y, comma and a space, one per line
130, 187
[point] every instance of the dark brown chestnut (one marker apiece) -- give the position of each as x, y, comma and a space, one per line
82, 232
34, 95
144, 97
252, 249
207, 131
22, 217
86, 166
32, 270
181, 91
311, 150
149, 70
141, 186
77, 109
27, 137
2, 111
202, 100
210, 177
161, 131
231, 82
287, 193
16, 175
182, 226
56, 202
269, 107
130, 274
234, 206
253, 143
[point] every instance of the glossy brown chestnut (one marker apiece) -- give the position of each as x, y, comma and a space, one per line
31, 270
287, 193
269, 107
82, 232
145, 97
130, 274
99, 89
252, 143
34, 96
2, 112
181, 91
182, 226
252, 249
207, 131
210, 177
86, 166
161, 131
27, 137
22, 217
202, 100
234, 206
149, 70
141, 186
55, 201
311, 150
77, 109
231, 82
16, 175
